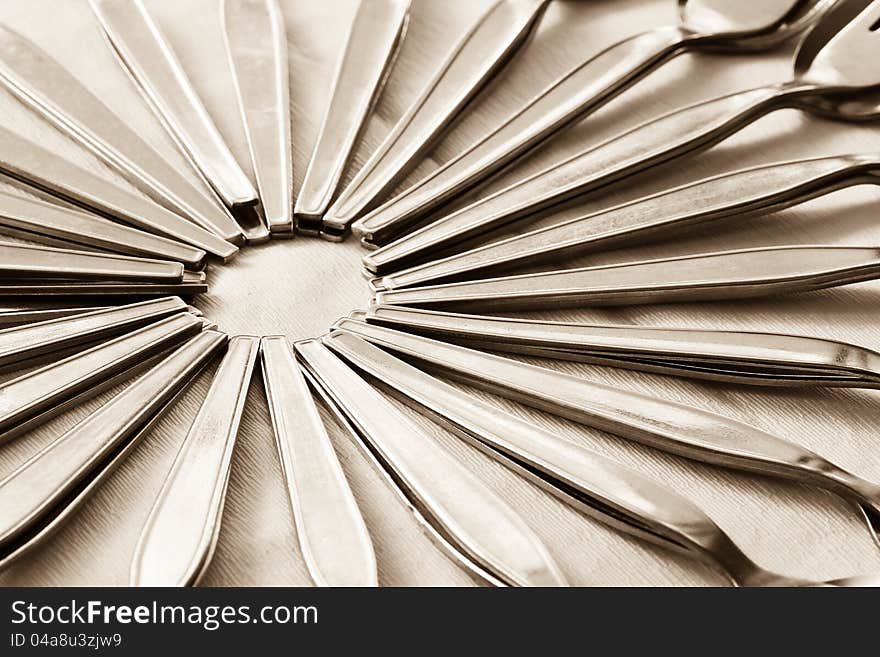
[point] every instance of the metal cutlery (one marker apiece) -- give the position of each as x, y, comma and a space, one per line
47, 171
332, 535
192, 283
704, 25
178, 537
471, 517
20, 345
19, 260
33, 398
50, 486
43, 84
669, 426
57, 225
740, 357
704, 277
28, 313
257, 48
144, 52
496, 36
373, 39
764, 189
587, 481
832, 64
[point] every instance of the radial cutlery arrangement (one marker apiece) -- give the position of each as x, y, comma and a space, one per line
95, 277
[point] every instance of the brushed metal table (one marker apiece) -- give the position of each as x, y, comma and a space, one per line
299, 287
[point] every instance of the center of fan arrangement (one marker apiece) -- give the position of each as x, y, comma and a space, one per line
295, 287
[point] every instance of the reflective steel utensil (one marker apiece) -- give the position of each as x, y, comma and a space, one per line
178, 538
144, 52
44, 85
832, 65
50, 486
363, 68
589, 482
332, 535
731, 356
494, 38
191, 283
763, 189
257, 48
725, 25
704, 277
471, 516
36, 166
669, 426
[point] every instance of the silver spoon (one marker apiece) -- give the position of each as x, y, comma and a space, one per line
49, 487
589, 482
834, 61
726, 25
669, 426
495, 37
740, 274
178, 538
730, 356
762, 189
373, 40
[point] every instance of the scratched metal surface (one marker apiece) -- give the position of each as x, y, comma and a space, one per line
300, 287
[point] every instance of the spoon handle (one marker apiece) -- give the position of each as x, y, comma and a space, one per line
20, 345
34, 288
704, 277
494, 38
670, 136
761, 189
578, 93
479, 522
41, 483
144, 52
43, 84
669, 426
738, 356
588, 481
331, 531
180, 533
373, 40
256, 46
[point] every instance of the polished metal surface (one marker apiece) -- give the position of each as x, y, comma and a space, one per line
181, 531
714, 276
146, 54
45, 85
492, 40
257, 48
751, 358
589, 86
364, 67
307, 495
763, 189
845, 47
330, 529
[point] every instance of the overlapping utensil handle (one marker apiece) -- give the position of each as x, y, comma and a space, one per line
668, 426
363, 68
332, 534
473, 517
762, 189
181, 530
743, 357
709, 277
496, 35
43, 481
652, 143
594, 484
580, 93
256, 45
48, 88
